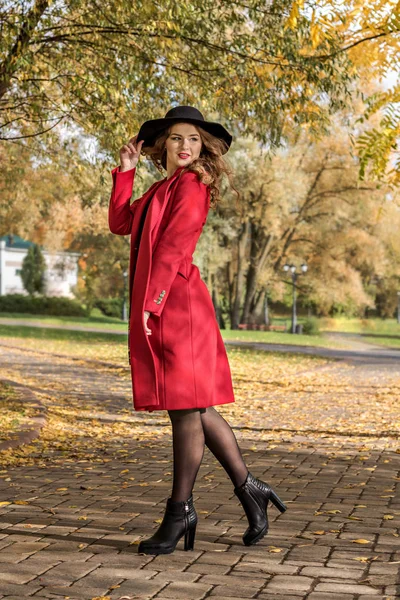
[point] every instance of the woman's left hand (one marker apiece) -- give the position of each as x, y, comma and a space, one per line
146, 316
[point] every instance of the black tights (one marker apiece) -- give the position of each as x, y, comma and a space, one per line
191, 429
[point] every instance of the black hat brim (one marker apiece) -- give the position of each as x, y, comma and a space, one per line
150, 130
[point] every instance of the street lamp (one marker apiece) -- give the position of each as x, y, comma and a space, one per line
398, 307
294, 275
124, 305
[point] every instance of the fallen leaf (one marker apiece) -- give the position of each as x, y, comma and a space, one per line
363, 559
361, 541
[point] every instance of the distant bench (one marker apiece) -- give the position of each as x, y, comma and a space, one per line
255, 327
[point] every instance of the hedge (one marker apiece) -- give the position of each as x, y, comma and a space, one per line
41, 305
111, 307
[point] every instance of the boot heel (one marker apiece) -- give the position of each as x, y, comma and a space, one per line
276, 501
189, 538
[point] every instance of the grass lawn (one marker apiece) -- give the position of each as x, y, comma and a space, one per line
272, 337
384, 332
360, 326
390, 342
98, 321
100, 346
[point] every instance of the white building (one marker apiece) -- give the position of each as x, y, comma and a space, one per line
60, 275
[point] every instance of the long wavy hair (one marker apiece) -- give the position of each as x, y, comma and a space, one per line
209, 166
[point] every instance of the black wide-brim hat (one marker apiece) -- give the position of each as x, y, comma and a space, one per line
150, 130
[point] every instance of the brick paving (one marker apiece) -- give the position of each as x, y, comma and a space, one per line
70, 529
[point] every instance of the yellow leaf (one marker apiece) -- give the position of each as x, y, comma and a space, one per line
158, 521
333, 512
275, 550
363, 559
61, 489
24, 502
321, 532
4, 503
388, 517
361, 541
124, 471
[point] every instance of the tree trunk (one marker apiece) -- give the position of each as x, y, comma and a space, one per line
241, 253
259, 251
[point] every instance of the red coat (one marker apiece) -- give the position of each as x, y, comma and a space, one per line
183, 363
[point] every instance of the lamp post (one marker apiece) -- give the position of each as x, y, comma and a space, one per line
398, 307
294, 274
124, 305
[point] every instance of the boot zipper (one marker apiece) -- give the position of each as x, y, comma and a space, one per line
186, 516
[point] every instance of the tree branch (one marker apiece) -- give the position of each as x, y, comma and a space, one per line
10, 64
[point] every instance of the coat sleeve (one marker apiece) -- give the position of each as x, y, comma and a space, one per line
120, 212
188, 215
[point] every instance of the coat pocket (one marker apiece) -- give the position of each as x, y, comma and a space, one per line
182, 274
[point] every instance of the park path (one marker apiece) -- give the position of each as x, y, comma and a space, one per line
72, 515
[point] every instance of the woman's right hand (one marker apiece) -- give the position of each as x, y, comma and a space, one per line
129, 154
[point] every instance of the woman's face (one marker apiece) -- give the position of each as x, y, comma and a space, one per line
183, 145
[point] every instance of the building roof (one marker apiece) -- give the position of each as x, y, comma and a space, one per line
14, 241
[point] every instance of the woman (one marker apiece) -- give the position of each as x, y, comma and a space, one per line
177, 355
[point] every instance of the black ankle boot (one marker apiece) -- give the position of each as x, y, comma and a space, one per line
179, 518
254, 496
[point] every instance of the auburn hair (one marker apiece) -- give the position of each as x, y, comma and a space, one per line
209, 166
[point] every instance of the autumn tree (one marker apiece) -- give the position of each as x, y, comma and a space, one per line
305, 203
109, 66
369, 31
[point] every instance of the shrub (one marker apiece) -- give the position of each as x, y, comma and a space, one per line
311, 326
43, 305
111, 307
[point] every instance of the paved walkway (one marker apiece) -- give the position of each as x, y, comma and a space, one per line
72, 515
